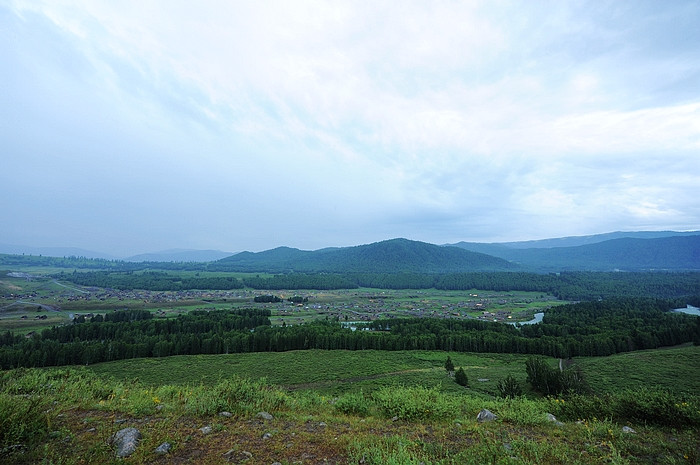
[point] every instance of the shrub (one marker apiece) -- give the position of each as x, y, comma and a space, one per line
353, 404
642, 405
415, 403
23, 420
509, 387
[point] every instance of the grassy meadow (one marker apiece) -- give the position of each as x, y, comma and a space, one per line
337, 372
68, 415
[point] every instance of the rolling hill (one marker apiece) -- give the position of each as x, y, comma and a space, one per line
395, 255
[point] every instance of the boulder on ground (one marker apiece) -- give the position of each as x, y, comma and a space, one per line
485, 415
125, 440
554, 420
163, 448
264, 416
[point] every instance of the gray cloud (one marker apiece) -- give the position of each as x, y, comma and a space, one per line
248, 126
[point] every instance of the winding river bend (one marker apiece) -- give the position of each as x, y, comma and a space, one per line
538, 317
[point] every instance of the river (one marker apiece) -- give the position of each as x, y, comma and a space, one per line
689, 309
538, 317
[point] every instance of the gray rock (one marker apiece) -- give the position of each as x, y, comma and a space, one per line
163, 448
627, 429
125, 440
395, 418
267, 436
554, 420
237, 456
226, 414
264, 416
485, 415
205, 429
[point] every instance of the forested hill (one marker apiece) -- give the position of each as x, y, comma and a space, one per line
628, 254
396, 255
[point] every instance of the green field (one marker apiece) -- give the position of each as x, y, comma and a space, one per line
338, 407
337, 372
20, 300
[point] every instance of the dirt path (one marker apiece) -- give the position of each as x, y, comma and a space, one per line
71, 288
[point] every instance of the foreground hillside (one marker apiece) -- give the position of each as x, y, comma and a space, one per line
70, 415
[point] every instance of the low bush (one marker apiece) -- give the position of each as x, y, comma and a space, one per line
354, 403
24, 420
644, 405
415, 403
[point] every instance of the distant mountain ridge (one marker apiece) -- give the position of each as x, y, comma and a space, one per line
394, 255
572, 241
179, 255
676, 252
623, 251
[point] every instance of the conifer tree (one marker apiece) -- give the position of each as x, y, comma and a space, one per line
449, 366
461, 377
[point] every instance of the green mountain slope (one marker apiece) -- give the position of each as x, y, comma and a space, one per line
395, 255
665, 253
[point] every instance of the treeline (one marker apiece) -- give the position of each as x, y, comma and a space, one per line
566, 286
584, 329
132, 336
12, 260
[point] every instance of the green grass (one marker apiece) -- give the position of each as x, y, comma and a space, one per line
676, 368
68, 415
331, 372
339, 372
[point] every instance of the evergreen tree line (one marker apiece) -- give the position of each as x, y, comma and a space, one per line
584, 329
566, 286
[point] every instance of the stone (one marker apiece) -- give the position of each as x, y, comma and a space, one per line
627, 429
163, 448
205, 429
234, 455
125, 440
267, 436
226, 414
264, 416
554, 420
485, 415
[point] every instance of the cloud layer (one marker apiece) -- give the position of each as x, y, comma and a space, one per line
135, 126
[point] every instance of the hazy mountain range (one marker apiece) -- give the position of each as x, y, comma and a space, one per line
675, 251
626, 251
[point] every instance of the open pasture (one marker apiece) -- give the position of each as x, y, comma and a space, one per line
338, 372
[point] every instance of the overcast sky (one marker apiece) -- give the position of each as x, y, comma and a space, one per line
135, 126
